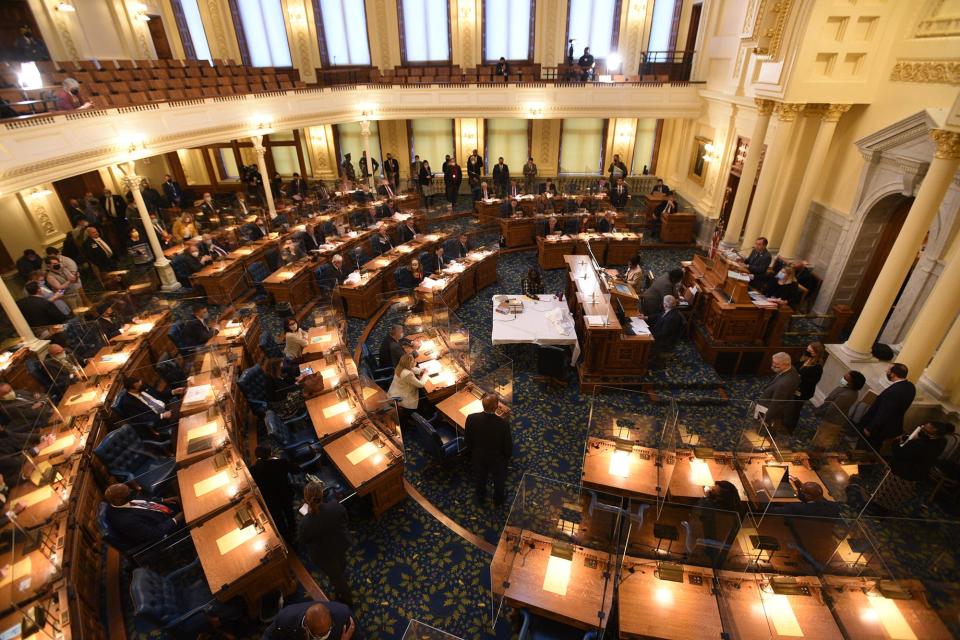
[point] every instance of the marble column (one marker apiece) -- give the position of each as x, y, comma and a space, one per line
748, 175
776, 151
19, 323
929, 327
261, 152
812, 176
942, 377
365, 132
907, 245
168, 280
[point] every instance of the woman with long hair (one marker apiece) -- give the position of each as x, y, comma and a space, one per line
406, 385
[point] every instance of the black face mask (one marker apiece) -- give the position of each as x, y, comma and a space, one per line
75, 92
55, 267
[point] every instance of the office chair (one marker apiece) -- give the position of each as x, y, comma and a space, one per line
175, 333
181, 271
170, 371
295, 438
551, 365
438, 438
382, 381
428, 260
326, 282
403, 278
534, 627
257, 272
272, 256
269, 346
179, 602
126, 456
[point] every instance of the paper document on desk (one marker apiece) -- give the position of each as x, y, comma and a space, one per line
640, 327
430, 283
555, 316
431, 366
197, 394
596, 321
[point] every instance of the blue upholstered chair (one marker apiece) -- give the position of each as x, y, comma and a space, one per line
451, 249
536, 628
181, 270
253, 384
428, 261
272, 256
178, 602
383, 381
326, 280
175, 333
257, 272
571, 225
403, 278
170, 370
127, 456
269, 345
295, 437
438, 438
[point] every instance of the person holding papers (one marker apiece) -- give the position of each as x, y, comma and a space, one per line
663, 285
149, 411
666, 327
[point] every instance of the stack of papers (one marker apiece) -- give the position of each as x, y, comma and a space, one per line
430, 283
640, 327
595, 321
197, 394
555, 316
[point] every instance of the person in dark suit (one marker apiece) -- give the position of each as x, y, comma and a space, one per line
408, 231
386, 189
256, 230
22, 411
551, 226
98, 252
780, 392
757, 263
501, 178
298, 187
391, 169
661, 188
27, 48
196, 331
391, 349
452, 177
812, 503
884, 419
585, 64
619, 194
911, 460
312, 620
326, 537
37, 310
617, 169
149, 411
474, 165
272, 475
75, 212
483, 192
550, 187
381, 242
463, 246
663, 285
503, 68
29, 263
115, 208
364, 172
667, 327
607, 224
783, 287
340, 272
139, 521
490, 444
172, 191
834, 409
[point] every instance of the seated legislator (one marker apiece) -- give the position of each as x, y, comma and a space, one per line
386, 189
255, 230
294, 340
298, 189
783, 287
196, 331
549, 187
149, 411
138, 521
339, 270
184, 228
551, 227
407, 381
441, 259
661, 188
384, 210
381, 242
663, 285
416, 272
22, 410
607, 224
314, 621
619, 194
757, 263
463, 246
290, 252
408, 231
665, 208
636, 275
484, 193
532, 283
667, 327
210, 248
812, 503
391, 349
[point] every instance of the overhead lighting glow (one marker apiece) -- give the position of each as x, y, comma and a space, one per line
29, 76
66, 7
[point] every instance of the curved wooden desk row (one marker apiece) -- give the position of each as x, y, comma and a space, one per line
489, 211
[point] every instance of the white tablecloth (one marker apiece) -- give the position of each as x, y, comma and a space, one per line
532, 326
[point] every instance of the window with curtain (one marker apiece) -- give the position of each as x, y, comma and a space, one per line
507, 137
593, 23
264, 33
350, 140
432, 140
581, 145
643, 145
425, 30
342, 26
190, 26
661, 29
507, 25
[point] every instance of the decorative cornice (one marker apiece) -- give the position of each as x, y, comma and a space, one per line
927, 71
948, 143
788, 112
764, 26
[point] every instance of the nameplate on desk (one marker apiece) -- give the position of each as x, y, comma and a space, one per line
362, 452
235, 538
212, 483
197, 394
474, 407
336, 409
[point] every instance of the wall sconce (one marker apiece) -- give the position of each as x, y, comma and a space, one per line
66, 7
296, 15
39, 192
712, 153
135, 145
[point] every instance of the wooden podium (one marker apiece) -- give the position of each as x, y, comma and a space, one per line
678, 228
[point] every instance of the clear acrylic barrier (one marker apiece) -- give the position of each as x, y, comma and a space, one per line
417, 630
487, 367
557, 553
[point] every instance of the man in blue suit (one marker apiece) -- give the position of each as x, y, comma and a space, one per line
139, 521
313, 621
884, 419
172, 191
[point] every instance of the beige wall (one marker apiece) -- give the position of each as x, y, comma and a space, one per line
32, 221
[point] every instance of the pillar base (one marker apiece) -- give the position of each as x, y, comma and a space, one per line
932, 389
168, 280
853, 355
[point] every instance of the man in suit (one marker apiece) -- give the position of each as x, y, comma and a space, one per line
607, 224
780, 392
757, 263
62, 369
298, 187
617, 169
441, 260
75, 212
660, 188
463, 246
530, 176
339, 270
382, 242
550, 187
348, 172
501, 177
811, 502
474, 166
325, 534
256, 230
884, 419
210, 248
242, 210
151, 412
490, 444
483, 193
115, 208
207, 208
663, 285
151, 196
667, 327
172, 191
23, 411
386, 189
138, 521
391, 169
98, 252
452, 177
272, 475
313, 620
196, 331
619, 194
408, 231
364, 172
514, 191
37, 310
391, 349
385, 209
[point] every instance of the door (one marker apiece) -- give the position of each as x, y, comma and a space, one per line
159, 36
691, 42
881, 236
77, 186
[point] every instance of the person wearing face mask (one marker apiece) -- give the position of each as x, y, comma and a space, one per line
810, 368
295, 340
196, 330
884, 419
210, 248
28, 48
58, 280
62, 370
313, 621
172, 191
207, 208
812, 503
184, 228
150, 411
53, 295
68, 266
911, 461
784, 287
69, 98
780, 392
835, 408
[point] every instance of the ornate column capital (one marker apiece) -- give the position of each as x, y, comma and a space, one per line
365, 128
833, 112
948, 143
788, 112
133, 181
764, 106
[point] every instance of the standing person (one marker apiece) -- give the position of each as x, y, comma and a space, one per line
27, 48
617, 169
415, 174
312, 621
530, 176
503, 68
474, 167
58, 280
780, 392
391, 169
884, 419
810, 368
325, 534
98, 252
272, 475
834, 410
364, 171
452, 177
501, 177
172, 191
911, 461
348, 171
490, 444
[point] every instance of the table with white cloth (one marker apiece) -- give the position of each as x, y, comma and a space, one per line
534, 325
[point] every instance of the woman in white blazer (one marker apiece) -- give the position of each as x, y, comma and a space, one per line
407, 382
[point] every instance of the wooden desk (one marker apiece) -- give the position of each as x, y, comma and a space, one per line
653, 200
677, 228
550, 250
111, 358
370, 468
322, 340
610, 356
209, 361
684, 485
488, 211
223, 282
254, 251
655, 608
206, 488
69, 438
14, 370
874, 617
518, 231
252, 563
752, 613
465, 402
218, 386
362, 297
43, 503
208, 428
85, 396
293, 284
575, 601
234, 332
331, 414
757, 485
29, 574
444, 374
631, 474
787, 559
57, 622
447, 293
332, 374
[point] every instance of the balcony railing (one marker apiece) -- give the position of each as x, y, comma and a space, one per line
666, 66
